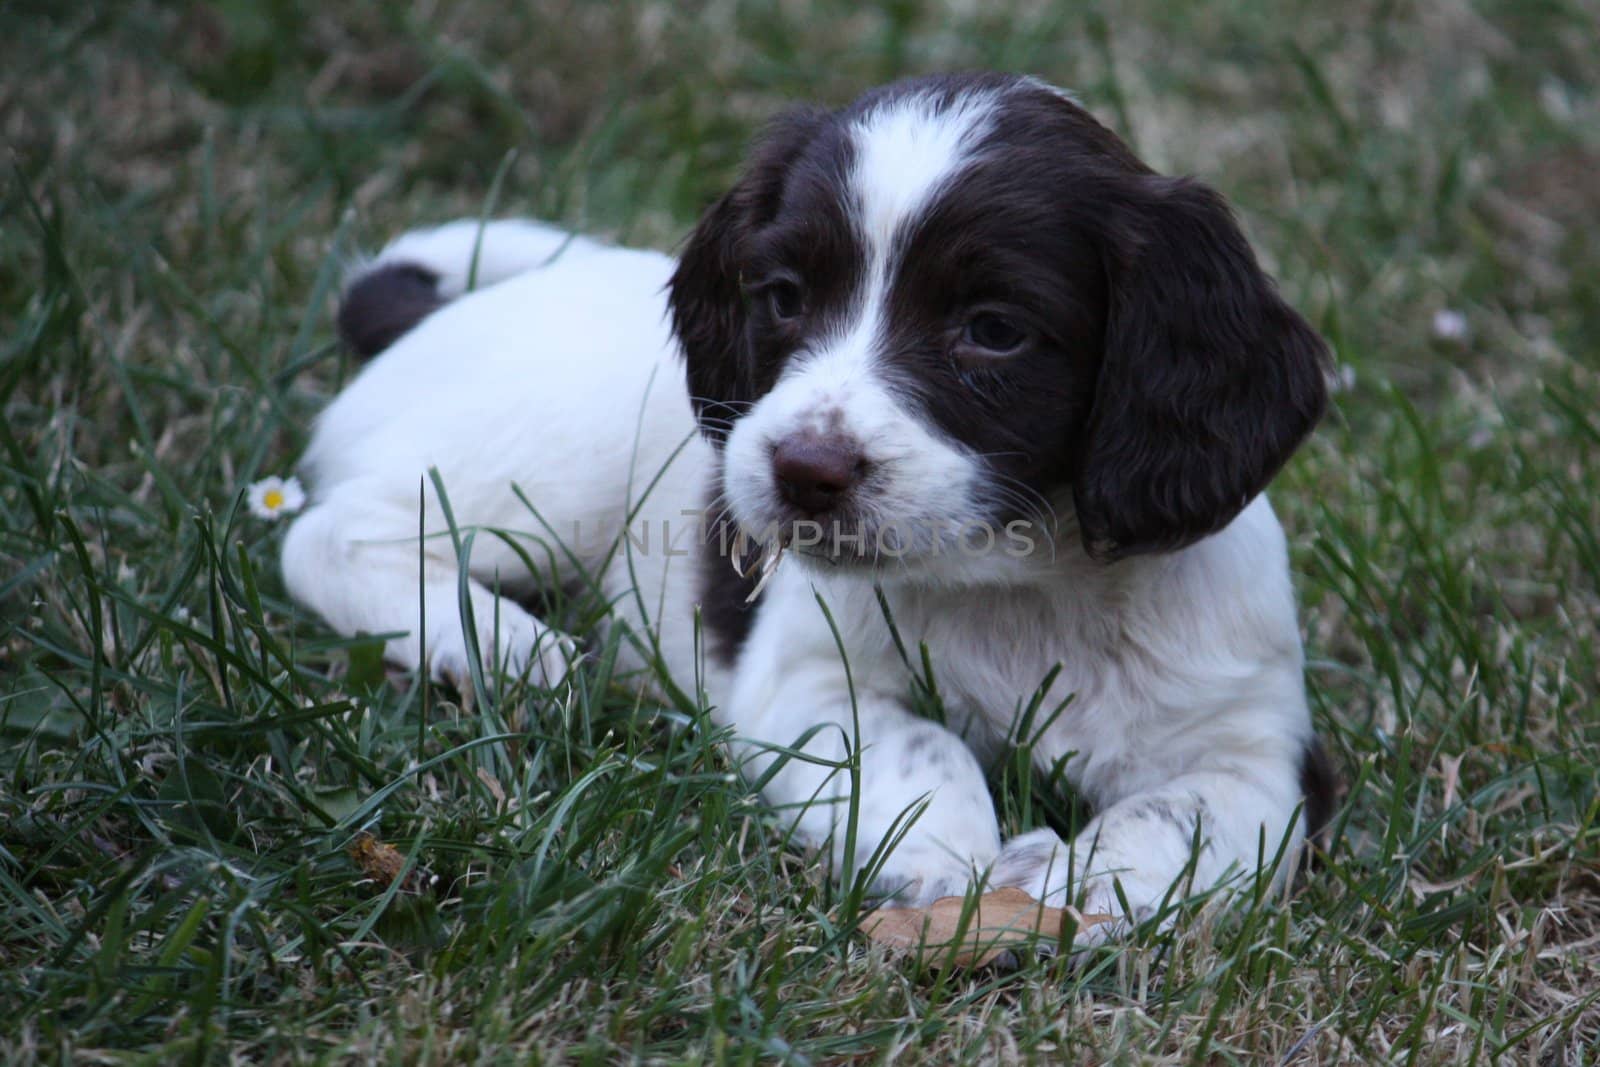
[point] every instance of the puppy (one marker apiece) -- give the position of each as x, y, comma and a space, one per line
977, 405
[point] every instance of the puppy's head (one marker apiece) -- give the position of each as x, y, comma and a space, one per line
960, 304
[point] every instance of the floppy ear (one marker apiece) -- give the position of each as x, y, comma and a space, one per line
708, 317
1208, 382
706, 296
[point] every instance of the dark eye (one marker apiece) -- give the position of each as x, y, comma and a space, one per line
785, 300
994, 333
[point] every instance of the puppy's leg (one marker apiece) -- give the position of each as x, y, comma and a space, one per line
921, 790
356, 567
1219, 823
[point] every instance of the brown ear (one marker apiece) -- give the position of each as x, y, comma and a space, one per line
1209, 380
705, 295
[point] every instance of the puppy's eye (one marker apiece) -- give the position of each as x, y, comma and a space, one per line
994, 334
785, 300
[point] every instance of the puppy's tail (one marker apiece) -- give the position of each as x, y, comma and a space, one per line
421, 271
382, 302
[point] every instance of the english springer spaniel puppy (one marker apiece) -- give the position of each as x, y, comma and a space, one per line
979, 412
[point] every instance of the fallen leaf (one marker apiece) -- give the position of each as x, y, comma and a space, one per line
378, 860
382, 862
999, 921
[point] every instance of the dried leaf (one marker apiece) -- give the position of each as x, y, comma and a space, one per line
378, 860
382, 862
1000, 921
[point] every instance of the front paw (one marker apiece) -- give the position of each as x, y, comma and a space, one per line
1040, 864
903, 889
916, 874
520, 647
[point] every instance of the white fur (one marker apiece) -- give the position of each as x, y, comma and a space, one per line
906, 150
559, 375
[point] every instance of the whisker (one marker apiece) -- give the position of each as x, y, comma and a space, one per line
736, 406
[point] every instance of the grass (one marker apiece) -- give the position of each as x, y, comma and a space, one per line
186, 760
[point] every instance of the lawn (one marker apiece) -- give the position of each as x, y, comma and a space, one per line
188, 762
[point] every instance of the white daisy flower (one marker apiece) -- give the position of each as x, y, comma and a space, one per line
274, 497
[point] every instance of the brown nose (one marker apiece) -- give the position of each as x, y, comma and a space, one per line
814, 472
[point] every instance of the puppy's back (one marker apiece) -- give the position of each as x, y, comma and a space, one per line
421, 271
